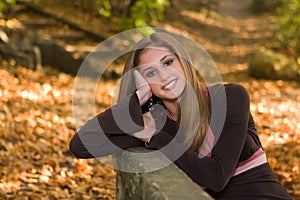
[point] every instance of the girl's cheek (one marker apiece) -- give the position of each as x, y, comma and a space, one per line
154, 87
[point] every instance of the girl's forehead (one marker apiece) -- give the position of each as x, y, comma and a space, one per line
154, 49
154, 55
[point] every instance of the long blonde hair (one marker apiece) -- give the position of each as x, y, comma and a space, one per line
193, 122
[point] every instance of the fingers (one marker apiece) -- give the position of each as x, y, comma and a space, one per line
149, 120
149, 128
143, 88
139, 79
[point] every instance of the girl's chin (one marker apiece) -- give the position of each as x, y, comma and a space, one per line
169, 99
169, 96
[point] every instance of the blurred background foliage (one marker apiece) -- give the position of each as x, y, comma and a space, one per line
35, 106
133, 13
139, 13
129, 14
287, 19
4, 3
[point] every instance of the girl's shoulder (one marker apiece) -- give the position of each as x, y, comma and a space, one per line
235, 88
229, 102
228, 89
231, 95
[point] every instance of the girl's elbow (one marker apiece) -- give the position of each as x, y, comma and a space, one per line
218, 186
219, 182
76, 148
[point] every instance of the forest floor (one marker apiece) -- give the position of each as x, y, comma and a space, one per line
37, 122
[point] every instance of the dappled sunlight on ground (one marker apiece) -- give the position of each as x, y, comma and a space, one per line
37, 122
36, 126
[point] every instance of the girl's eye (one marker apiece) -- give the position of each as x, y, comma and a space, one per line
151, 73
168, 62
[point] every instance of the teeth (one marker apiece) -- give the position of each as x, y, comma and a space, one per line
169, 85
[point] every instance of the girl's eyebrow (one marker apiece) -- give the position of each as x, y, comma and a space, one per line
164, 57
148, 68
161, 60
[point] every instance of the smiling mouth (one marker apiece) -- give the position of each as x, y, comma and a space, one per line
170, 85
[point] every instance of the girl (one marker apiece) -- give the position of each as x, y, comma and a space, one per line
228, 162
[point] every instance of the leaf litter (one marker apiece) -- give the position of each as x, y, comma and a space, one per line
37, 124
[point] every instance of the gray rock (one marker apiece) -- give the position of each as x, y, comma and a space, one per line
271, 65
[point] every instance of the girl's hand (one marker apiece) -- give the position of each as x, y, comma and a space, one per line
149, 128
143, 88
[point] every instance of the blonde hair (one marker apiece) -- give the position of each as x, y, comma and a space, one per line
193, 122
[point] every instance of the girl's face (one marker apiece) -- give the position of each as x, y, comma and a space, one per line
163, 71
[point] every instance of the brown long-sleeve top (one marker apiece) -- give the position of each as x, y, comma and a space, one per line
237, 142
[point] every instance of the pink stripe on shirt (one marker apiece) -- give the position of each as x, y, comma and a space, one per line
257, 159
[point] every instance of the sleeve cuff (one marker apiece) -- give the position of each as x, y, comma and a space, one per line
135, 110
159, 140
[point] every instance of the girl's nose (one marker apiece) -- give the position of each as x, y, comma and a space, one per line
164, 75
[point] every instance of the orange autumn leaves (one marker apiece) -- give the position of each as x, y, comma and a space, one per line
36, 124
35, 128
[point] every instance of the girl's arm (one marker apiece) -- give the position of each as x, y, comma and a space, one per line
111, 131
214, 172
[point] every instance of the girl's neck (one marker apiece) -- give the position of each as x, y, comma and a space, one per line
172, 108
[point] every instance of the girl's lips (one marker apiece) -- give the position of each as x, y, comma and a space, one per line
170, 85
